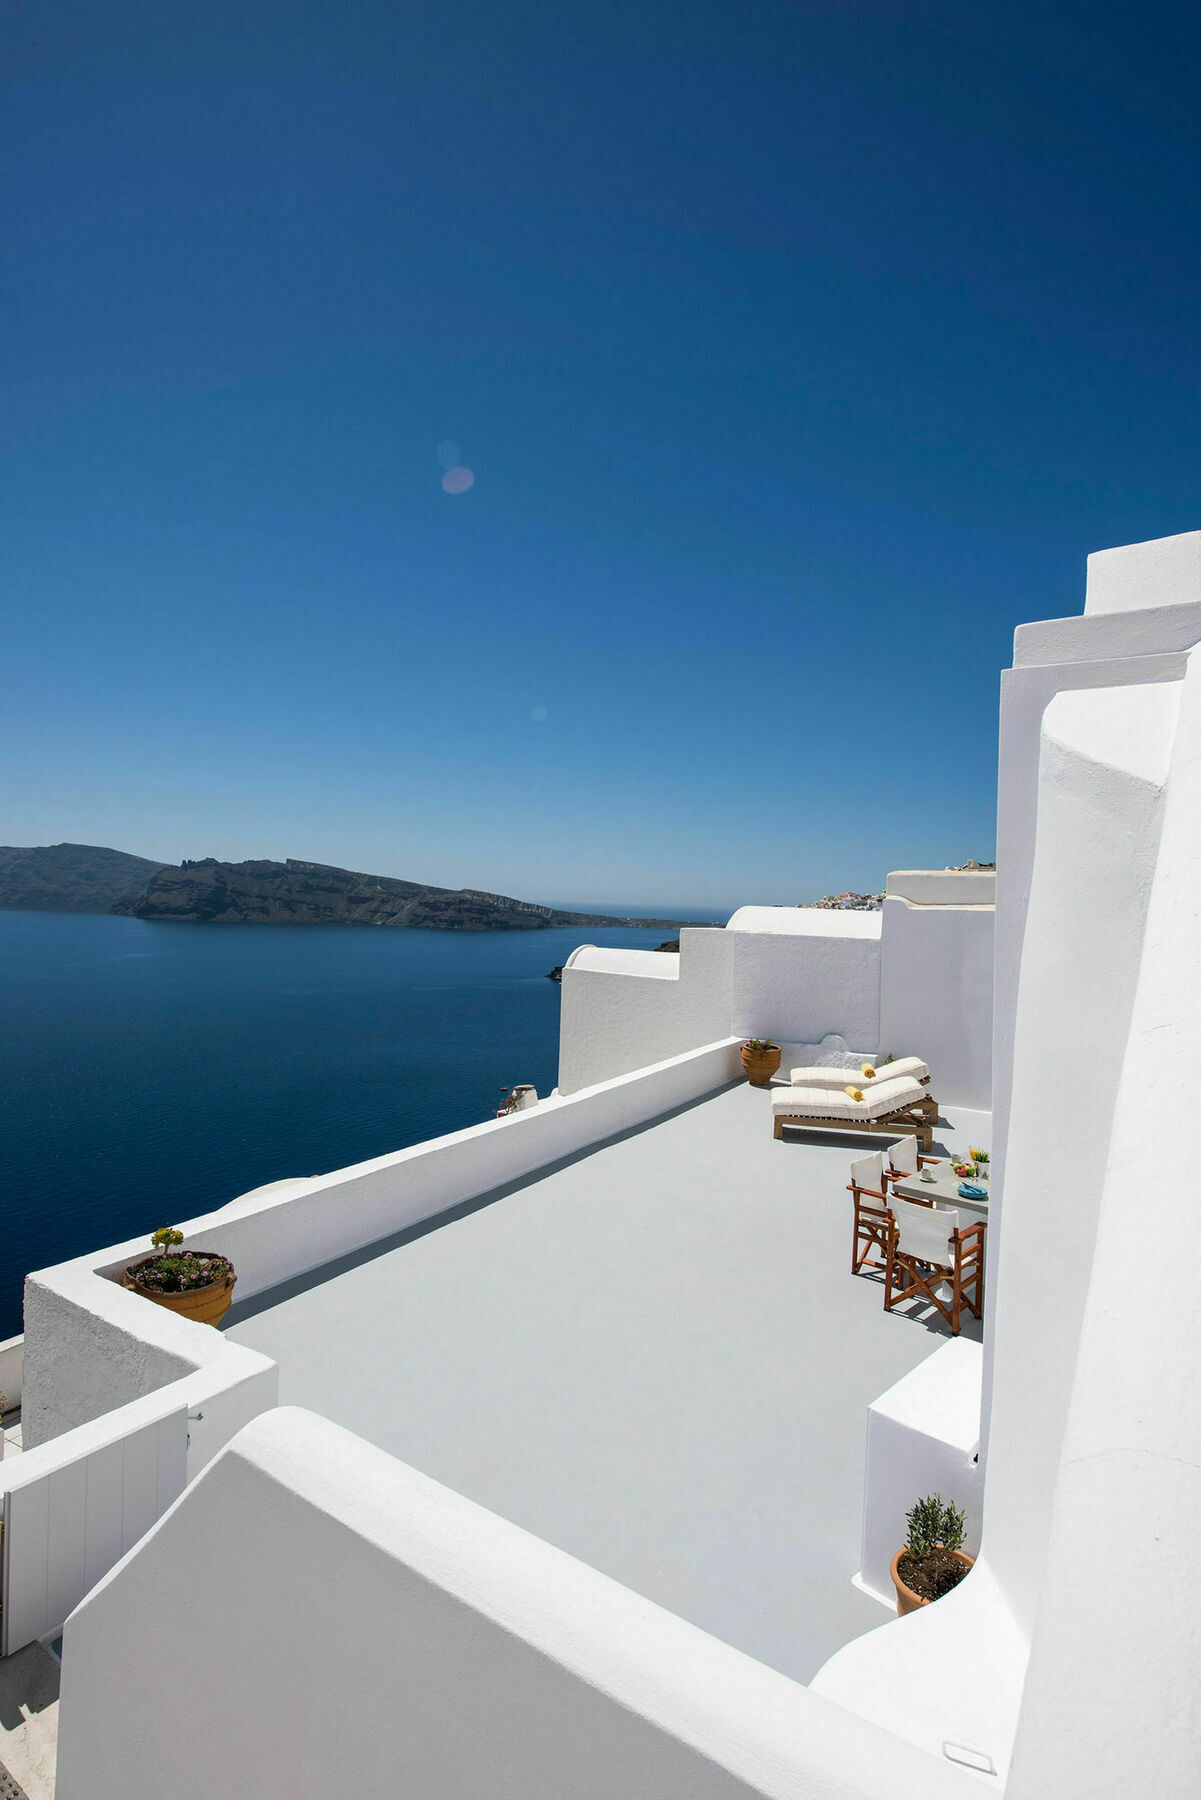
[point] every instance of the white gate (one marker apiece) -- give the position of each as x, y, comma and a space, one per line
74, 1506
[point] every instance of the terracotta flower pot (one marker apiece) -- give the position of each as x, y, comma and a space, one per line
205, 1304
907, 1600
760, 1065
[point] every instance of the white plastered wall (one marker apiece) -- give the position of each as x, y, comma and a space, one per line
91, 1346
807, 977
1103, 649
620, 1010
1100, 808
355, 1628
1134, 577
1111, 1700
803, 974
1102, 786
936, 992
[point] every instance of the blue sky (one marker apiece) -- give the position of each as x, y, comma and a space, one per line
798, 352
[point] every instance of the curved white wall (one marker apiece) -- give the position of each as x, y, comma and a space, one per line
1111, 1701
356, 1629
1100, 807
652, 965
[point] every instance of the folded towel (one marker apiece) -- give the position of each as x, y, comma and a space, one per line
867, 1072
853, 1093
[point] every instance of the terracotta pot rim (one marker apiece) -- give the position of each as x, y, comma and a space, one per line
916, 1600
133, 1280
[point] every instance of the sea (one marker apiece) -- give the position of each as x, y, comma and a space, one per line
152, 1071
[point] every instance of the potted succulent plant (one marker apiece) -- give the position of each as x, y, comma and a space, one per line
932, 1562
760, 1059
198, 1284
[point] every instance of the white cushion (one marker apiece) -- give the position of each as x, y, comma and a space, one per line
826, 1077
911, 1067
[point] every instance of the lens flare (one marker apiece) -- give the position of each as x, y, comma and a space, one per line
448, 453
538, 714
457, 480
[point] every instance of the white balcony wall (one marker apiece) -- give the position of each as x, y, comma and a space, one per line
398, 1639
1102, 791
1134, 577
621, 1009
801, 975
90, 1345
936, 993
1102, 649
1110, 1704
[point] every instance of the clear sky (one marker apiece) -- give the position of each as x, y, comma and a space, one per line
798, 352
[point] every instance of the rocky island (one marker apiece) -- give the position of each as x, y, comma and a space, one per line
308, 893
73, 878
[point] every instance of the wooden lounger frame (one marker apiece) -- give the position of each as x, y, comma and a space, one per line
918, 1119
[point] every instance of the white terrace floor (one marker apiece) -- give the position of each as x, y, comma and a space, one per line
652, 1355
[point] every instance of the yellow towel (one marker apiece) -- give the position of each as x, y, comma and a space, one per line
855, 1093
867, 1072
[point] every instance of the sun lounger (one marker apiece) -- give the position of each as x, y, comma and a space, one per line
901, 1105
910, 1066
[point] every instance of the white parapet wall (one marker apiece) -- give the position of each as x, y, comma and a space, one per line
805, 973
1135, 577
399, 1639
804, 976
830, 986
922, 1437
944, 887
936, 990
90, 1345
623, 1009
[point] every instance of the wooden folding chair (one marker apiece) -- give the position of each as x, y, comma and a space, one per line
926, 1249
905, 1159
873, 1221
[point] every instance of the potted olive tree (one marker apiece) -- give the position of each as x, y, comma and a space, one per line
198, 1284
932, 1562
760, 1059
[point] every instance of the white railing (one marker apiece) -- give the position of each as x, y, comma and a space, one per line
334, 1215
69, 1517
78, 1500
73, 1507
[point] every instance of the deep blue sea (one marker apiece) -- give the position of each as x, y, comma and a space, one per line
153, 1071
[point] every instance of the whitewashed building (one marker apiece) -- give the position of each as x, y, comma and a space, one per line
563, 1455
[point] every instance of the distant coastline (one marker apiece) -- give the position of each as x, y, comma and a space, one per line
85, 878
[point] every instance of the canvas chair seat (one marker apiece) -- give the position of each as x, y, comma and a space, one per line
928, 1250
